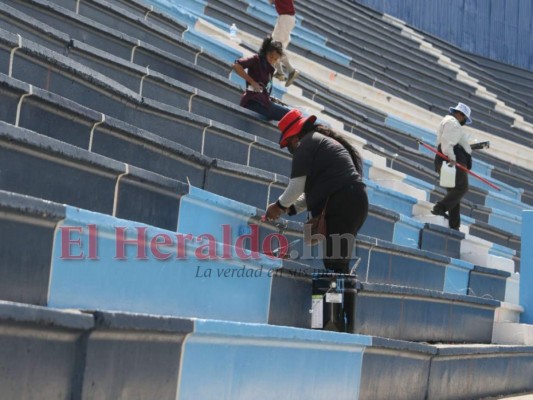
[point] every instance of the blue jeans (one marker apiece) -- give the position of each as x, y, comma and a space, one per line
272, 112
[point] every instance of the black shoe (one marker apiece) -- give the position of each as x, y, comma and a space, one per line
438, 210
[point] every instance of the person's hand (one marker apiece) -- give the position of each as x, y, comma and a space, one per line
273, 212
451, 163
257, 87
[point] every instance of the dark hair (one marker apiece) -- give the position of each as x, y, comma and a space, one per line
324, 130
270, 45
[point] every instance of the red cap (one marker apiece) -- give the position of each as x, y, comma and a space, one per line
291, 125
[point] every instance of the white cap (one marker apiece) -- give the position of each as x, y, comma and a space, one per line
461, 107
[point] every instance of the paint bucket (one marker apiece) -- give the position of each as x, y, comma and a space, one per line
333, 302
447, 176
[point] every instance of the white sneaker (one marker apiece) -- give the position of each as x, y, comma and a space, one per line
280, 76
292, 76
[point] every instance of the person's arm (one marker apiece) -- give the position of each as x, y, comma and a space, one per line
452, 133
293, 191
239, 69
291, 194
464, 143
298, 206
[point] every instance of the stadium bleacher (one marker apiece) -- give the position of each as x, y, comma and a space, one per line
123, 116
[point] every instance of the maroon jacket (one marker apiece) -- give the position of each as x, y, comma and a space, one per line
260, 71
285, 7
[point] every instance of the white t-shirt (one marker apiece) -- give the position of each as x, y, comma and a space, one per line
450, 133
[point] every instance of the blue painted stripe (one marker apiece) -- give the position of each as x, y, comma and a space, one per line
507, 222
321, 50
502, 251
197, 6
467, 221
289, 334
507, 191
402, 125
188, 12
278, 91
407, 232
390, 199
311, 35
218, 49
481, 167
501, 202
291, 362
179, 287
269, 9
526, 268
367, 164
457, 276
202, 212
262, 12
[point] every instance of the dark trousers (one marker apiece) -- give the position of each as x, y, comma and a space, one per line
272, 112
346, 212
452, 201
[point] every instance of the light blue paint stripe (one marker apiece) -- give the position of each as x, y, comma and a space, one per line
426, 151
279, 88
197, 6
507, 191
481, 167
508, 215
264, 14
287, 370
172, 287
218, 49
526, 269
465, 220
367, 164
426, 135
221, 201
503, 222
287, 334
188, 13
203, 212
456, 262
457, 276
391, 192
268, 9
390, 199
311, 35
495, 200
321, 50
499, 250
411, 221
407, 232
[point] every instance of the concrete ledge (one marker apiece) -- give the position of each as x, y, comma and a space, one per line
25, 150
442, 240
488, 283
41, 346
480, 371
423, 315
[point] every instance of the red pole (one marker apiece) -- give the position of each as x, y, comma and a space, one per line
459, 165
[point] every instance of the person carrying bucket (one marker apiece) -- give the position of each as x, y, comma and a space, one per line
452, 141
